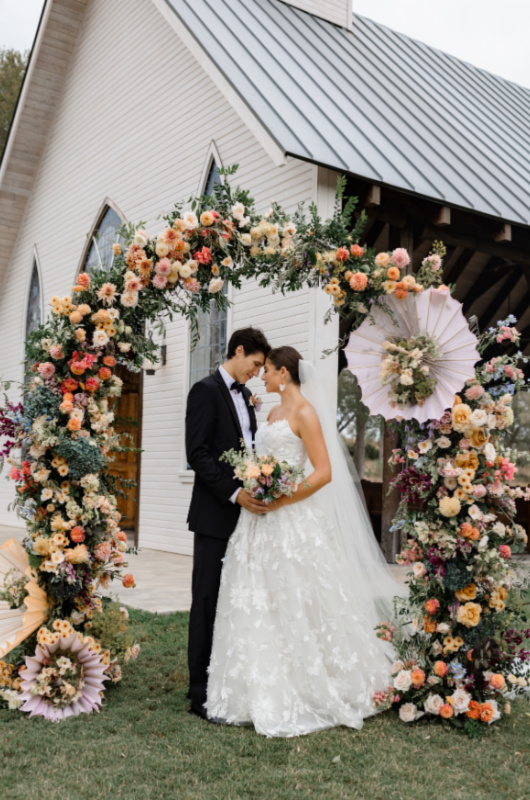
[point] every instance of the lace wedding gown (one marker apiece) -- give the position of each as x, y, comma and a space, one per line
293, 651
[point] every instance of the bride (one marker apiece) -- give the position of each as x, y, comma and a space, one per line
303, 585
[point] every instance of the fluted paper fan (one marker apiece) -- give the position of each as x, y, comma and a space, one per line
433, 312
16, 624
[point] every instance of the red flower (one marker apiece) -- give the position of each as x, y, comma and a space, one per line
203, 256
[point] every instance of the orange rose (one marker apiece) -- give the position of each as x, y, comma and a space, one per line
359, 281
473, 711
486, 712
267, 469
342, 254
356, 251
432, 606
77, 534
128, 581
446, 711
104, 373
393, 274
401, 290
74, 424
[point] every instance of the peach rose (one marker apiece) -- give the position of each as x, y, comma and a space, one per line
401, 290
460, 416
359, 281
478, 438
342, 254
267, 469
356, 251
486, 712
429, 625
473, 711
382, 260
497, 682
393, 274
74, 424
128, 581
469, 614
417, 677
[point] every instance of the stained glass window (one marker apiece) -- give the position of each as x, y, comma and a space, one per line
211, 348
100, 253
34, 308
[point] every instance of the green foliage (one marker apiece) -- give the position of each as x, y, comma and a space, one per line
111, 629
12, 69
83, 456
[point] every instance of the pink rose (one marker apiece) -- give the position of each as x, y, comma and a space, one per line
102, 551
159, 281
56, 351
478, 491
505, 551
400, 257
47, 370
474, 392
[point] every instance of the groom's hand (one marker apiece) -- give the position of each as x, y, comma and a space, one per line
245, 500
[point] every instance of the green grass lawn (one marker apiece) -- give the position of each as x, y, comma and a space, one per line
144, 744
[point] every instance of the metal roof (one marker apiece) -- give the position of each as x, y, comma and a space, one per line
373, 102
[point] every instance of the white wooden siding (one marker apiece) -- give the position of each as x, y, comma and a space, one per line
134, 124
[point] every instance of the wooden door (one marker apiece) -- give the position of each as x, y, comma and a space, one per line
126, 466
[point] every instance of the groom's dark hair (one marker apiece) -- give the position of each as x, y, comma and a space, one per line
251, 339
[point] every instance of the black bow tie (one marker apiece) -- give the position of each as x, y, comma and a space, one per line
236, 387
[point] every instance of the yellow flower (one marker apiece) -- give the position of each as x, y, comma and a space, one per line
469, 614
469, 592
478, 438
77, 555
63, 470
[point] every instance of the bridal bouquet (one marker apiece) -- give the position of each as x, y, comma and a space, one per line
264, 477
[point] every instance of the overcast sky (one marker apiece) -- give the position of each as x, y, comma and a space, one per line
491, 34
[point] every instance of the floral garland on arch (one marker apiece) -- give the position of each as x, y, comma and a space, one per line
469, 652
64, 490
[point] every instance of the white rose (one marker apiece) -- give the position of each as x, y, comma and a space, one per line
478, 418
418, 569
246, 239
397, 666
474, 512
141, 238
409, 713
100, 338
499, 529
425, 446
190, 220
460, 701
403, 681
483, 543
489, 452
238, 210
216, 284
444, 442
129, 299
432, 680
496, 711
491, 421
124, 347
433, 703
442, 627
450, 483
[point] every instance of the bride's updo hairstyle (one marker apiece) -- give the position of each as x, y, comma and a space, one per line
287, 357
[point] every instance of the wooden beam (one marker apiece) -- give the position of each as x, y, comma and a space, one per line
501, 296
375, 231
481, 244
490, 276
442, 217
504, 234
456, 270
373, 198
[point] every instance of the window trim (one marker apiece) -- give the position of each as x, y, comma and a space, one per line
212, 155
35, 261
107, 203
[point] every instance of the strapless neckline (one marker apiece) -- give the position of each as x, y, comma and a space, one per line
278, 422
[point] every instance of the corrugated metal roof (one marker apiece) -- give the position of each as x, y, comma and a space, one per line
374, 103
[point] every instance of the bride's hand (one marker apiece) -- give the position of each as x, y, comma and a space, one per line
245, 500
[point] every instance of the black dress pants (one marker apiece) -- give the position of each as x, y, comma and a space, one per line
208, 554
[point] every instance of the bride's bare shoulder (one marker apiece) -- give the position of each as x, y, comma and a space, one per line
306, 414
273, 413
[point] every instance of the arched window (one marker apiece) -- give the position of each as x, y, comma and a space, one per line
213, 326
34, 306
99, 253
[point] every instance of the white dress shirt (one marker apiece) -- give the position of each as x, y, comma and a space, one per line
240, 405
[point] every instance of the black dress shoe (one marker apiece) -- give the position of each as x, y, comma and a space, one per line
203, 715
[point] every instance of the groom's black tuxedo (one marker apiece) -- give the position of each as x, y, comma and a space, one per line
212, 427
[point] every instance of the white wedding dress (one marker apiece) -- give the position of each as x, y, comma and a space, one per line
294, 647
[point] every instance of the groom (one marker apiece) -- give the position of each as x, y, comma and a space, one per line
219, 414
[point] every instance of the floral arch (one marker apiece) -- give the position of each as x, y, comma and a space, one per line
457, 510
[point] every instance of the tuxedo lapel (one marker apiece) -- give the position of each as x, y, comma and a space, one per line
225, 393
251, 412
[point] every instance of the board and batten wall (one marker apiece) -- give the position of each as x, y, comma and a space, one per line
135, 124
